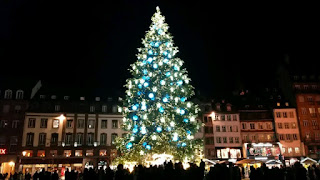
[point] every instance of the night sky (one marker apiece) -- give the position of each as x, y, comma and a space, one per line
91, 44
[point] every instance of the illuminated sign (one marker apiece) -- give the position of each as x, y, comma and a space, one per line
3, 151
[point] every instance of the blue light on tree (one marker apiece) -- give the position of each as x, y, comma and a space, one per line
166, 60
161, 109
138, 93
183, 99
149, 60
135, 129
169, 128
148, 147
165, 99
144, 144
159, 129
169, 56
157, 44
143, 107
180, 82
162, 82
135, 117
175, 68
160, 31
165, 53
151, 96
150, 52
155, 66
168, 74
188, 132
152, 43
139, 86
145, 77
146, 84
134, 107
183, 144
182, 111
145, 72
129, 145
144, 62
185, 120
175, 137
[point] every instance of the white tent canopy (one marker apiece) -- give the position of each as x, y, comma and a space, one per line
308, 160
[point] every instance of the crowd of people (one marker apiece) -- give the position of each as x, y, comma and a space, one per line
175, 171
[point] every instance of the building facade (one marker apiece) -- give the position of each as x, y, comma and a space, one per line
258, 134
71, 140
222, 138
287, 131
13, 105
308, 107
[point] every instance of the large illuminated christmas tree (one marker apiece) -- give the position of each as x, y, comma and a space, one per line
157, 111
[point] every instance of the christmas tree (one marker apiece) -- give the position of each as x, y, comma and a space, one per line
156, 109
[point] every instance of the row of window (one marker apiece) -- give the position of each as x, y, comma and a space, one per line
288, 137
284, 114
308, 98
261, 126
261, 137
222, 117
82, 98
104, 108
226, 128
13, 140
6, 108
292, 125
5, 124
68, 141
225, 140
306, 87
8, 94
312, 111
314, 123
69, 153
316, 135
289, 150
70, 123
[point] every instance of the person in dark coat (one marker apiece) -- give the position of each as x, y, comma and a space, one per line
55, 175
27, 176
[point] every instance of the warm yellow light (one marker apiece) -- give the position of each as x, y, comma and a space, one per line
11, 163
24, 153
213, 115
61, 117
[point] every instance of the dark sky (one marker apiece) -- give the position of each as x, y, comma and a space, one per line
91, 44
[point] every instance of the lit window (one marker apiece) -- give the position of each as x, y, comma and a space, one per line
57, 107
67, 153
55, 123
289, 150
53, 153
82, 98
294, 125
92, 108
278, 104
287, 104
66, 97
103, 152
97, 98
27, 153
113, 138
78, 153
91, 123
285, 115
41, 153
114, 124
296, 150
104, 108
53, 97
89, 152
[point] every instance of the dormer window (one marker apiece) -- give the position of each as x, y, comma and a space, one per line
260, 106
246, 106
97, 98
92, 108
228, 107
42, 96
278, 104
109, 98
19, 94
66, 97
218, 107
53, 97
82, 98
287, 104
8, 94
295, 77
